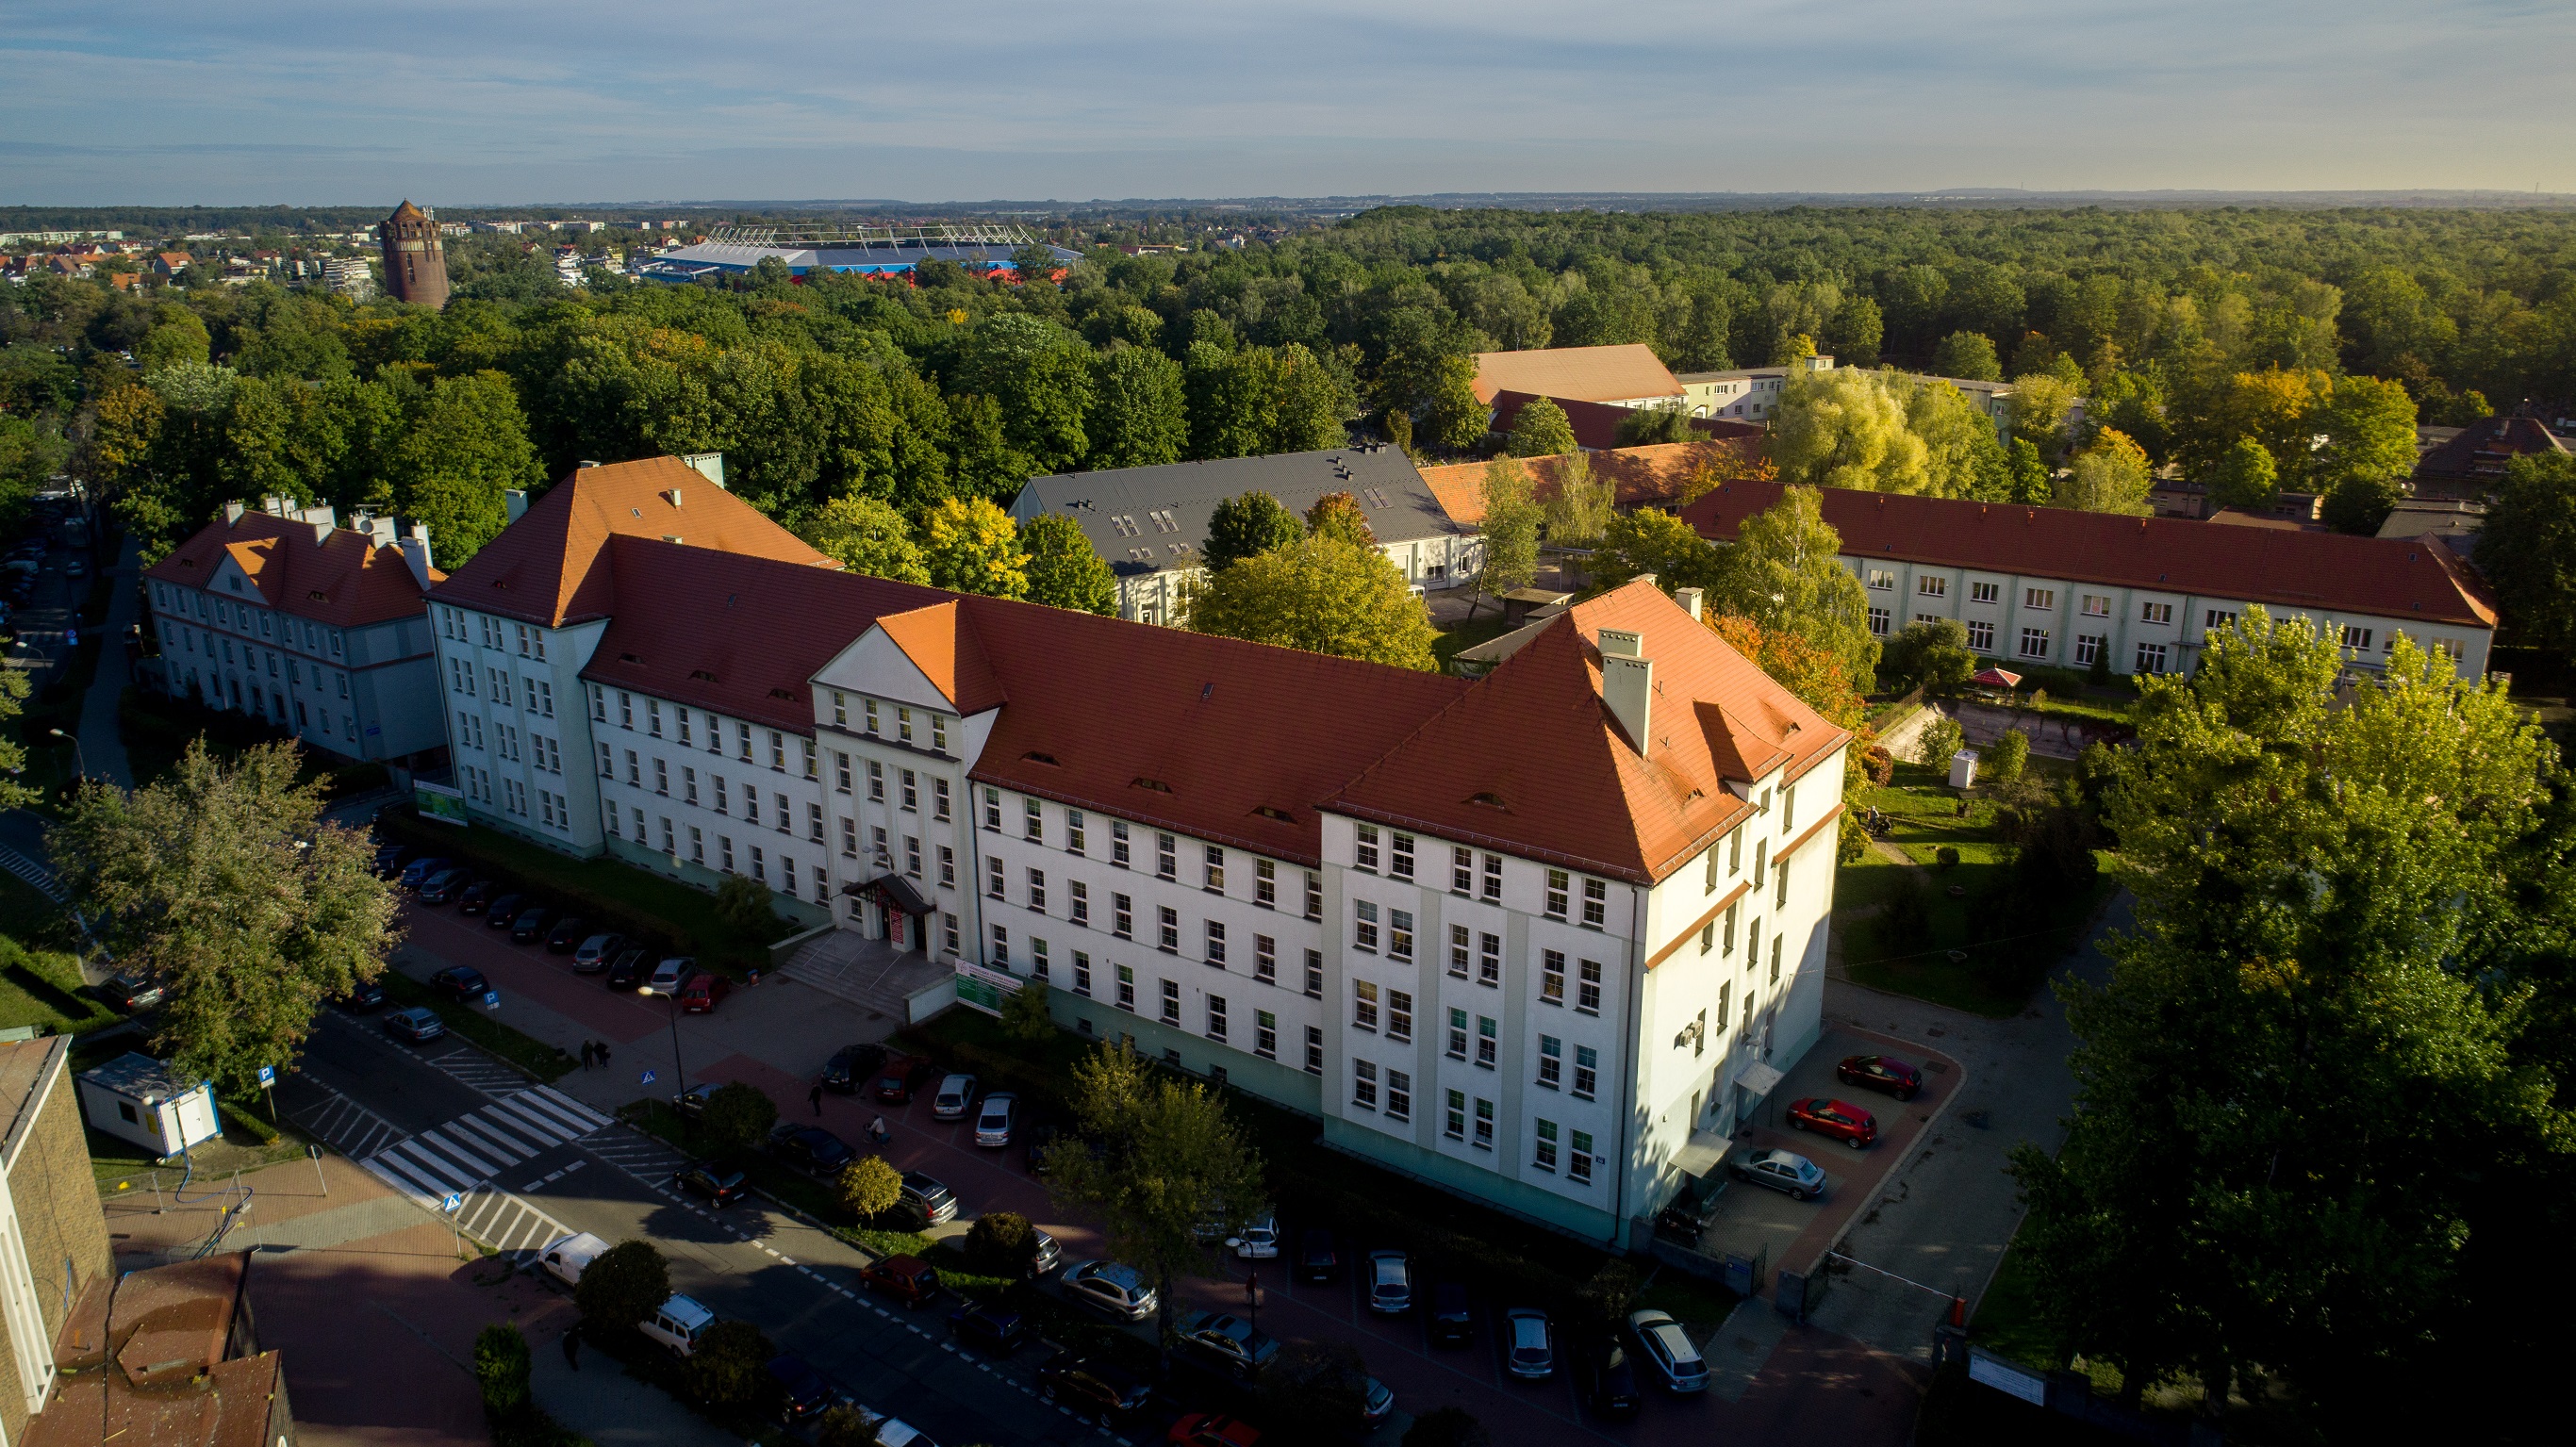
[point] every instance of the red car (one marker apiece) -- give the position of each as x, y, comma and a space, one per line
907, 1279
1851, 1124
1881, 1072
700, 994
1207, 1429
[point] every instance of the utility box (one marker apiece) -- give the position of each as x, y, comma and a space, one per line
1963, 769
137, 1098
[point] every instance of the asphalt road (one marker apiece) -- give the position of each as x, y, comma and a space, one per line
754, 1264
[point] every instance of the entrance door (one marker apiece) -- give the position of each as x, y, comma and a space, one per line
895, 921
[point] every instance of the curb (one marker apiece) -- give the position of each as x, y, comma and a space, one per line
1931, 1123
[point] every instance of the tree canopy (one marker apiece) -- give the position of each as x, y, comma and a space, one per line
971, 546
1063, 570
1324, 594
1247, 526
1784, 573
2528, 552
866, 535
1540, 430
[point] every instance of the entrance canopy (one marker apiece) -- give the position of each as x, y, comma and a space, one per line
892, 891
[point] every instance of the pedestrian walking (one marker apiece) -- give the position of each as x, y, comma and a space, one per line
603, 1054
816, 1095
572, 1346
589, 1055
877, 1131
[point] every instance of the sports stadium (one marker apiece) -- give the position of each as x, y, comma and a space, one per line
865, 250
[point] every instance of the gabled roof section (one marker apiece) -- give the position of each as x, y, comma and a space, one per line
2480, 450
1146, 519
1532, 761
730, 632
346, 579
2316, 573
1213, 737
1651, 476
1586, 374
545, 567
941, 642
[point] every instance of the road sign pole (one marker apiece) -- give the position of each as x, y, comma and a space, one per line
318, 1178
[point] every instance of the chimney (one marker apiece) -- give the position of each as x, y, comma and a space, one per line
1690, 599
233, 512
1625, 643
709, 465
516, 501
1628, 689
415, 551
672, 497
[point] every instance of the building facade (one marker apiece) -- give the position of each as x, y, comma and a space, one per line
53, 1237
316, 628
2056, 587
1525, 937
415, 260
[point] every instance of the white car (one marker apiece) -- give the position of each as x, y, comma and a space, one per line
680, 1325
1781, 1171
565, 1259
994, 1120
955, 1096
1259, 1241
894, 1431
1668, 1350
1116, 1289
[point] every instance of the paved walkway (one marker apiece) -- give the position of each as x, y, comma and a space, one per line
102, 746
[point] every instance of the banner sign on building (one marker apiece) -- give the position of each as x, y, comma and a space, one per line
981, 989
437, 801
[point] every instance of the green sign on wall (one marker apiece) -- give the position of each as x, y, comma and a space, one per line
436, 801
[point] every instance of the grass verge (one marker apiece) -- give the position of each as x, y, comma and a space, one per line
1467, 633
545, 1062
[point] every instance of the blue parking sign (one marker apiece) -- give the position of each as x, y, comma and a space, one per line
492, 999
268, 1075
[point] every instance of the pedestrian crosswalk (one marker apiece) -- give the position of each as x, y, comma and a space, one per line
481, 1071
507, 1223
343, 1124
455, 1158
636, 1153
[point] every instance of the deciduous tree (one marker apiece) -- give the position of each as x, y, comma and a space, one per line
224, 882
1338, 515
622, 1286
971, 546
467, 445
1139, 416
2110, 476
1968, 356
1540, 430
2246, 477
2528, 552
866, 536
1846, 428
1933, 655
1580, 509
1651, 426
1248, 526
738, 1116
1324, 594
1508, 531
869, 1187
1783, 572
1651, 541
1064, 570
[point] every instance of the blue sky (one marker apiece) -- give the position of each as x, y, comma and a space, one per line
475, 101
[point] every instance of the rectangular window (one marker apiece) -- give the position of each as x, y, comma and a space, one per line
1462, 871
1596, 903
1122, 917
1216, 943
1489, 960
1460, 937
724, 846
1587, 989
1073, 831
2089, 646
1169, 939
1400, 864
721, 803
872, 715
1878, 621
993, 809
1364, 925
903, 724
849, 838
1587, 1072
1559, 883
1212, 878
1399, 1095
1001, 946
1981, 635
1216, 1017
1037, 957
911, 798
1314, 974
1578, 1166
1314, 895
1780, 899
2355, 637
1265, 959
1364, 1004
939, 732
1126, 989
2216, 619
2042, 599
1882, 579
1171, 1002
1777, 941
1985, 592
1118, 842
689, 784
876, 780
1723, 991
2095, 605
1265, 883
1078, 896
1484, 1125
2155, 612
1265, 1034
1364, 1084
662, 776
814, 822
1314, 1050
1931, 587
912, 856
1457, 1034
1494, 878
1488, 1042
1551, 1061
1453, 1122
2151, 658
652, 709
1399, 1015
993, 878
1167, 857
1726, 934
1037, 890
1364, 848
2034, 643
1081, 973
1545, 1158
1032, 821
1399, 935
939, 799
1551, 978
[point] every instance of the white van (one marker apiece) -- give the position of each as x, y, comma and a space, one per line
894, 1431
565, 1259
679, 1325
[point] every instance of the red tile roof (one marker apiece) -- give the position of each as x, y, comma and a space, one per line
1596, 424
2480, 451
543, 568
1646, 476
1591, 374
739, 634
2316, 572
947, 654
346, 580
1532, 761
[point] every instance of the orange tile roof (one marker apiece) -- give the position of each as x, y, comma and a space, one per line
1647, 476
2319, 572
1531, 760
543, 568
346, 580
947, 652
1586, 374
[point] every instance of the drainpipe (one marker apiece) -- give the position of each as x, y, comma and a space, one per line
1628, 1090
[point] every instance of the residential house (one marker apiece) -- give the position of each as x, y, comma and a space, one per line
1740, 394
2054, 586
316, 628
168, 264
1151, 523
2472, 462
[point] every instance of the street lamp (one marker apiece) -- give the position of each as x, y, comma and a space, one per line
679, 1072
79, 760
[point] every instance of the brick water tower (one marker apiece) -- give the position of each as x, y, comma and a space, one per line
415, 267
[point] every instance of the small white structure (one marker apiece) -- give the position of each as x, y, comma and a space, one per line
1963, 769
137, 1098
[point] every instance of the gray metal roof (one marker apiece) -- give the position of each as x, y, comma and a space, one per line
139, 1076
1146, 519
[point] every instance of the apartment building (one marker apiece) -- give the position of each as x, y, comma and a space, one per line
1523, 936
316, 628
2052, 586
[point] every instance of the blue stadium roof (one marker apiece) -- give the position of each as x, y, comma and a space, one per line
864, 250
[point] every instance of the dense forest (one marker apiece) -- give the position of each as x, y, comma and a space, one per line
2189, 332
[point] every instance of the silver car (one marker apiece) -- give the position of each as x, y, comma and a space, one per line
1781, 1171
956, 1096
1259, 1241
1111, 1287
993, 1122
1668, 1351
1390, 1283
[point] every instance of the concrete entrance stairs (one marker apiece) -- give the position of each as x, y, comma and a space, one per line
868, 973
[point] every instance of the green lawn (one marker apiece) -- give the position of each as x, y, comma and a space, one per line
1467, 634
40, 979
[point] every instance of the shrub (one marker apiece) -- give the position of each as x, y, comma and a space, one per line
1446, 1427
501, 1368
744, 903
1025, 1015
1000, 1243
1609, 1296
1905, 921
738, 1116
869, 1187
1314, 1391
730, 1365
1879, 765
623, 1285
1939, 743
845, 1427
2005, 758
1946, 857
2099, 673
